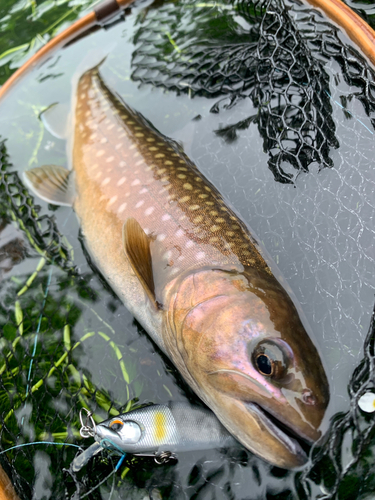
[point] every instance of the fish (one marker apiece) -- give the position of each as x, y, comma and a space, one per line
7, 491
157, 430
191, 272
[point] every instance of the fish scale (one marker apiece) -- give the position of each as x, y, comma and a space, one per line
147, 176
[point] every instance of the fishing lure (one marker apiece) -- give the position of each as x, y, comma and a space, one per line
159, 431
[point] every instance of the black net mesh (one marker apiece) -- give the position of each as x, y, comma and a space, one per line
274, 56
273, 53
342, 471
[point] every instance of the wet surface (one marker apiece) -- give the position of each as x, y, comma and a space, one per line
319, 231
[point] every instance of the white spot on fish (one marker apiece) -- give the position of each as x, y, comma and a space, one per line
122, 208
103, 140
133, 146
200, 255
140, 203
161, 237
149, 210
93, 136
189, 244
106, 181
122, 164
121, 181
179, 233
99, 174
110, 127
165, 217
112, 200
139, 162
136, 182
118, 146
101, 152
181, 257
143, 191
111, 158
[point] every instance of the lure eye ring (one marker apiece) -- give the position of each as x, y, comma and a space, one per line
116, 421
270, 362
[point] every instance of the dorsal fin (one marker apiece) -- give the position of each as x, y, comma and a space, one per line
137, 248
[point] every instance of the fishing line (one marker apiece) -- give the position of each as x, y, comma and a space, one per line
38, 329
40, 442
347, 111
119, 463
103, 444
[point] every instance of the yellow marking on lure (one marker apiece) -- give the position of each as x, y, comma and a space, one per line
160, 426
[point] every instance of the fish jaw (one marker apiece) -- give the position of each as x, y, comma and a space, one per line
222, 325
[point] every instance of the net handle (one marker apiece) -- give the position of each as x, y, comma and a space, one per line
102, 12
354, 26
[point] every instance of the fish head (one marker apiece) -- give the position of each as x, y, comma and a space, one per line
245, 351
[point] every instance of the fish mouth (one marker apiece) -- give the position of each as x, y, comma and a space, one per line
282, 433
278, 437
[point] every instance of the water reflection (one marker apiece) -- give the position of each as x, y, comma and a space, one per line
320, 234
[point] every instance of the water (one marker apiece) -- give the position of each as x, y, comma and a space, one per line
319, 231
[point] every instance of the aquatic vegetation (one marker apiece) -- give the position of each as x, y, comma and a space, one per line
40, 21
343, 466
42, 389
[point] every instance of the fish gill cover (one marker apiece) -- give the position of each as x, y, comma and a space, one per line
270, 52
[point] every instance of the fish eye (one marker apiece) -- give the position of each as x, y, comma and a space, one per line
116, 424
270, 359
264, 364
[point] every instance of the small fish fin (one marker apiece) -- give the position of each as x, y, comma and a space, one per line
55, 119
137, 248
185, 137
52, 183
92, 60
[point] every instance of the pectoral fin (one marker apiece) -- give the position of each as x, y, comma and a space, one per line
55, 119
52, 183
137, 248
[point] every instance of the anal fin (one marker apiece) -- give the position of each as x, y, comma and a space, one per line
52, 183
137, 248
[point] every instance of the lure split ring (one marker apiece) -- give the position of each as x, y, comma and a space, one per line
88, 426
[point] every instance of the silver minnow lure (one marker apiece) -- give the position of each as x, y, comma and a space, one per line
155, 429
